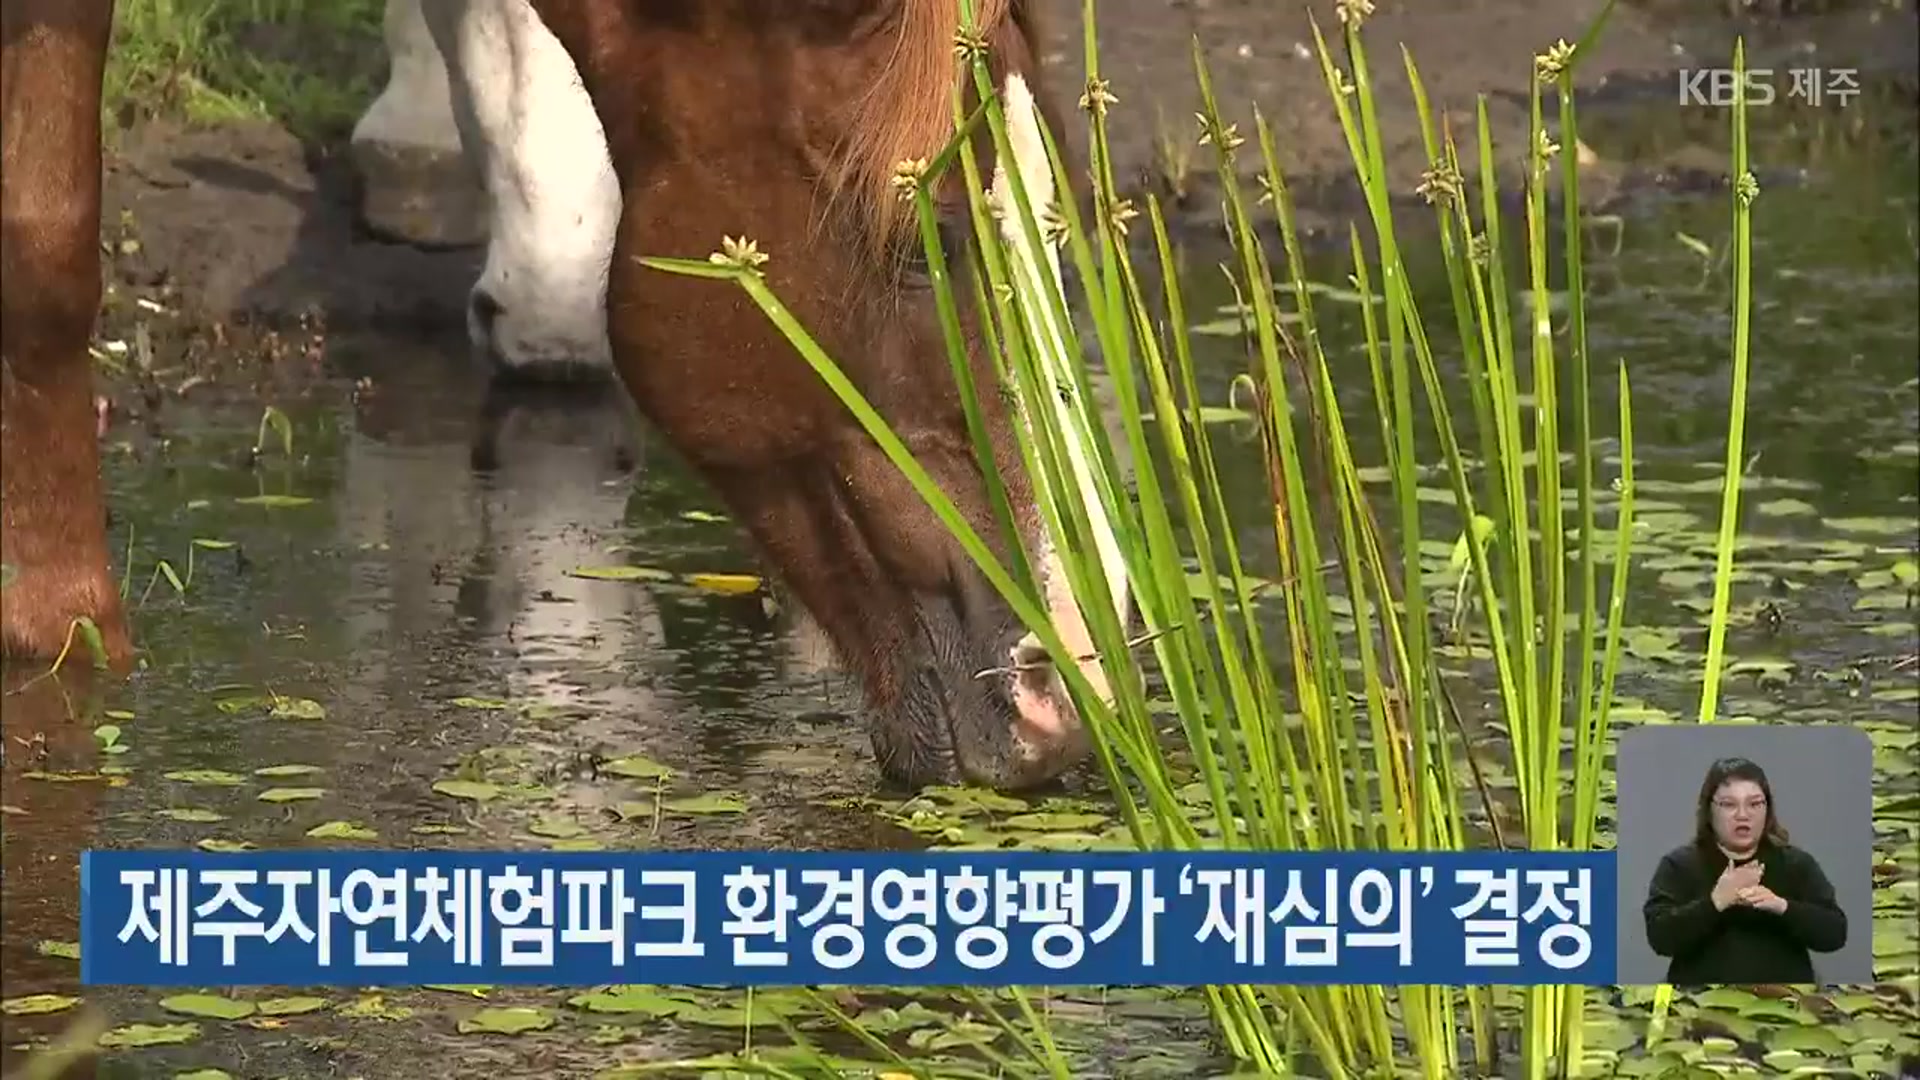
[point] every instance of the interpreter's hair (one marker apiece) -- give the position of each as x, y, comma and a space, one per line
1719, 774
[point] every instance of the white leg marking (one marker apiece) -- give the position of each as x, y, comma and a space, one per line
415, 107
533, 134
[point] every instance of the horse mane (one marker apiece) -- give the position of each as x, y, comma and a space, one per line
907, 112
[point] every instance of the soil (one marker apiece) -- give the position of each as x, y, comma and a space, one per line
245, 220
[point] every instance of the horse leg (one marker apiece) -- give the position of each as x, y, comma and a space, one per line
417, 185
52, 510
538, 310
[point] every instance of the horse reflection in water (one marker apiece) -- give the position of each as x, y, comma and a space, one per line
465, 527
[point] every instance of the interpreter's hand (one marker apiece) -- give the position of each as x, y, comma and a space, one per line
1733, 881
1765, 899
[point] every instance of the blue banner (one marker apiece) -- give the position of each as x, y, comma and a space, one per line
392, 918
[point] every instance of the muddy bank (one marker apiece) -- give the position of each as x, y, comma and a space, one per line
246, 219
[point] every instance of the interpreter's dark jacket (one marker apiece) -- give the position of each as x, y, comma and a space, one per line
1741, 945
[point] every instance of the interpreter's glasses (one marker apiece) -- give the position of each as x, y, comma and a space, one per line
1733, 807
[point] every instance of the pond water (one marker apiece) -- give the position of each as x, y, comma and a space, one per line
382, 637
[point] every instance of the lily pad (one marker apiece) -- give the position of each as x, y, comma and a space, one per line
1055, 822
209, 1006
219, 846
37, 1004
274, 501
637, 767
65, 950
557, 826
291, 794
730, 584
480, 703
204, 1074
436, 829
191, 814
477, 790
643, 1000
134, 1036
1812, 1039
506, 1020
620, 573
205, 777
297, 708
281, 772
342, 830
475, 990
374, 1007
292, 1006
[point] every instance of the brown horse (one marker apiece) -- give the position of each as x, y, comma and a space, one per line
778, 120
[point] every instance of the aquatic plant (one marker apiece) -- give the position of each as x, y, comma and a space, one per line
1363, 748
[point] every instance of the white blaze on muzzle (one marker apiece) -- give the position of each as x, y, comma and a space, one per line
1036, 176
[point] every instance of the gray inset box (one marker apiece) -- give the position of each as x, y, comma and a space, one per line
1673, 838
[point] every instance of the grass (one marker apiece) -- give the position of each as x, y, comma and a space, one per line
311, 65
1356, 740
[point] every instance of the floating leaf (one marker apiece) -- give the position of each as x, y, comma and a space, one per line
69, 778
108, 734
730, 584
636, 767
629, 809
291, 794
190, 814
703, 516
620, 573
242, 703
37, 1004
138, 1035
292, 1006
1062, 841
66, 950
488, 704
437, 829
213, 777
1814, 1039
1878, 526
557, 827
225, 847
293, 708
342, 830
631, 999
373, 1007
275, 501
506, 1020
1050, 822
477, 990
477, 790
204, 1074
279, 772
209, 1006
718, 802
1787, 508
